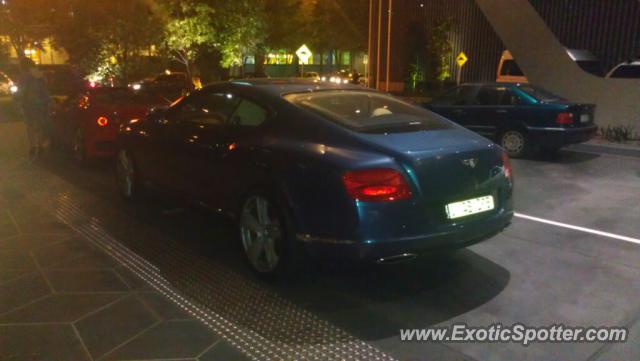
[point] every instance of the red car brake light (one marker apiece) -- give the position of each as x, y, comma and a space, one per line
102, 121
376, 185
564, 118
506, 164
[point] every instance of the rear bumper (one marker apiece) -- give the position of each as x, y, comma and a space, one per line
101, 142
558, 137
454, 237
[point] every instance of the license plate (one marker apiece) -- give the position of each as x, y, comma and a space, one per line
585, 118
469, 207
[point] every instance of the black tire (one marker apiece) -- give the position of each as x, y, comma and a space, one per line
271, 232
515, 142
126, 175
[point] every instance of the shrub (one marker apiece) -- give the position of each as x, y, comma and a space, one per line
618, 133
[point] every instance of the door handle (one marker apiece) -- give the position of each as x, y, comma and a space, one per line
501, 111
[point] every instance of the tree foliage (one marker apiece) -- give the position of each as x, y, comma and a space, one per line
232, 28
439, 51
339, 24
189, 31
114, 45
25, 22
114, 37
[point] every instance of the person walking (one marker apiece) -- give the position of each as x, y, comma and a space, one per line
34, 101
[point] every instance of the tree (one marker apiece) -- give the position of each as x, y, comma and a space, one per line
339, 25
189, 31
25, 23
439, 51
117, 50
241, 28
232, 28
4, 53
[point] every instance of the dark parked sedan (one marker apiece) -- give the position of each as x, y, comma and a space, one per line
334, 171
520, 117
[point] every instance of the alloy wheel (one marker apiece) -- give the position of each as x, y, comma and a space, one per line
261, 233
513, 142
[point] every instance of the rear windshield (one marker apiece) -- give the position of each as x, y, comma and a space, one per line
539, 94
510, 68
368, 112
117, 96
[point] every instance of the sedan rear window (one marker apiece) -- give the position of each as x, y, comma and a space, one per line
123, 97
539, 94
368, 112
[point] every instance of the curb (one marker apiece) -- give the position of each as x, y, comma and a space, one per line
605, 149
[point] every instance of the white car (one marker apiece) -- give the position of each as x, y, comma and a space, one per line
7, 87
626, 70
510, 72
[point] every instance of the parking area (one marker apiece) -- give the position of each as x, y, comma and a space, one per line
161, 274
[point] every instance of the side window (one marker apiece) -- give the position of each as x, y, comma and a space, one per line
497, 96
207, 108
488, 96
508, 97
447, 98
249, 114
457, 96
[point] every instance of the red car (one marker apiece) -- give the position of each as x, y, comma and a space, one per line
88, 123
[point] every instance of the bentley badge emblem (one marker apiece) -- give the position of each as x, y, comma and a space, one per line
471, 162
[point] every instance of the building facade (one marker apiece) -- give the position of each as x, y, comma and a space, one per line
42, 54
609, 29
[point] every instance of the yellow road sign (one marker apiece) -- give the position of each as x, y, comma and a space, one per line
304, 54
462, 59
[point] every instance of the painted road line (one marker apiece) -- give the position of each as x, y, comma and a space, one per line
578, 228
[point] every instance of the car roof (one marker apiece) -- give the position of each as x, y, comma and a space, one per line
630, 62
581, 55
280, 86
575, 54
493, 84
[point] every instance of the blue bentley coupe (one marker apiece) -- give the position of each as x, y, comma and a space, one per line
332, 171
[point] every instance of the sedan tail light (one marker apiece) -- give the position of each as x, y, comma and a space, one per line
102, 121
376, 185
564, 118
506, 165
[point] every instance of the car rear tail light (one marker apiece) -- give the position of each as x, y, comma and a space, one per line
506, 165
376, 185
103, 121
564, 118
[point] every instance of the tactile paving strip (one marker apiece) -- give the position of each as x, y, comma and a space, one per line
256, 320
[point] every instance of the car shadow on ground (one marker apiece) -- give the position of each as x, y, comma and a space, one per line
199, 253
564, 156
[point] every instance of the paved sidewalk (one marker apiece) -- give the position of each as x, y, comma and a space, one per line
601, 146
62, 298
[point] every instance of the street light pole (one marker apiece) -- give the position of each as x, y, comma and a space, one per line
388, 46
367, 66
378, 47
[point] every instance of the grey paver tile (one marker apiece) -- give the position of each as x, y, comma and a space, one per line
114, 325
